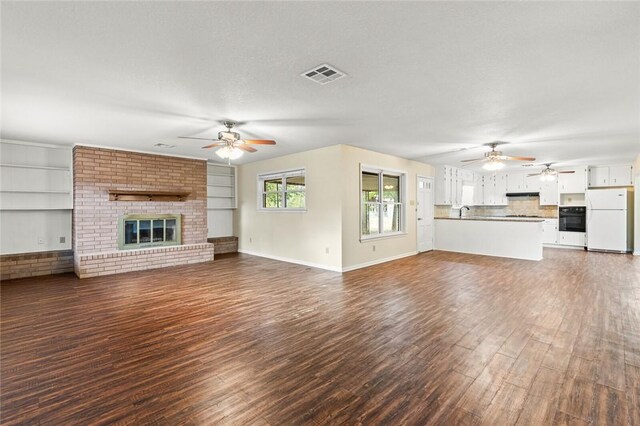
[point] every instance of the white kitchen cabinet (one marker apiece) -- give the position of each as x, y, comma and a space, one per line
549, 193
478, 189
515, 181
550, 231
621, 175
534, 184
605, 176
501, 190
573, 183
489, 190
577, 239
443, 185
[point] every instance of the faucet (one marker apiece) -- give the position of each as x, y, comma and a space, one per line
463, 207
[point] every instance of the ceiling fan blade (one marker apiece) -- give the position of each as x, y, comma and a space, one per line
566, 171
507, 157
534, 174
202, 139
473, 159
214, 145
259, 142
245, 147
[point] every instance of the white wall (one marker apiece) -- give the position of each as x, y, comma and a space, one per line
332, 219
301, 237
636, 224
36, 197
358, 254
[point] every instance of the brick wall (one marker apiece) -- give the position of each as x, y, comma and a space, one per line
225, 244
95, 218
35, 264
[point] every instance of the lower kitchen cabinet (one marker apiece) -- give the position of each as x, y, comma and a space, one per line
577, 239
550, 231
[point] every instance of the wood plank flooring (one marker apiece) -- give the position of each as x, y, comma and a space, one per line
438, 338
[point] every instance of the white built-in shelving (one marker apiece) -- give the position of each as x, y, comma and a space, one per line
221, 199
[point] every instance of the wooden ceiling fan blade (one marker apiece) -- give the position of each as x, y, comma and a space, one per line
259, 142
246, 148
507, 157
473, 159
566, 171
202, 139
214, 145
534, 174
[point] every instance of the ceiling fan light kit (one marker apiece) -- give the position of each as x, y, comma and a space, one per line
548, 174
228, 152
231, 146
493, 165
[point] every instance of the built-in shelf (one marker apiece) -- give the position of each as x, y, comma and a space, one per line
218, 185
139, 195
27, 166
221, 196
221, 176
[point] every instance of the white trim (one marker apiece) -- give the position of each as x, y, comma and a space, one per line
375, 237
377, 261
404, 201
295, 171
636, 253
38, 144
290, 260
139, 151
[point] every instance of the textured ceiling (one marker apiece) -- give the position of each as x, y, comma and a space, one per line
560, 81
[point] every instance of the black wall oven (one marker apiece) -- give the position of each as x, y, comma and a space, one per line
573, 219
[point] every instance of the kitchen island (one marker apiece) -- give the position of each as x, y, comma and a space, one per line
518, 238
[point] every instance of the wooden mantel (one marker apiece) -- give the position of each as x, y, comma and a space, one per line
150, 195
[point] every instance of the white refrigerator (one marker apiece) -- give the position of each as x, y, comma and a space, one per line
610, 219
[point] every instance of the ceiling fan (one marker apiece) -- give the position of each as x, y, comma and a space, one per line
549, 174
229, 143
494, 159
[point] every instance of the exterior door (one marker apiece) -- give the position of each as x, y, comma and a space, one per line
425, 214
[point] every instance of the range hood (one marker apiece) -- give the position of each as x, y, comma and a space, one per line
523, 194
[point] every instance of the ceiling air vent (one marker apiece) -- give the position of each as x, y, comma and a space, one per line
323, 74
164, 145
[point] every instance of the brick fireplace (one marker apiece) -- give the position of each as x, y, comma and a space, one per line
100, 173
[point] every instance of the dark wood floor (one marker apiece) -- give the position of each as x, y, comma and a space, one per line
438, 338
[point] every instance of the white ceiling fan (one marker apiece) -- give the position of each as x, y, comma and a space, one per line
549, 174
231, 146
495, 159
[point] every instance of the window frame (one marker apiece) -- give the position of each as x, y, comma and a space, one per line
281, 174
402, 194
151, 218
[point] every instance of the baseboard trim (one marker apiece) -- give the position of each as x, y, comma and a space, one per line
290, 260
378, 261
636, 253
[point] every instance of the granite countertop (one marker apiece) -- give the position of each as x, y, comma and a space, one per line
495, 218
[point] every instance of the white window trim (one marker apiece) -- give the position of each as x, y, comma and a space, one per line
275, 174
403, 201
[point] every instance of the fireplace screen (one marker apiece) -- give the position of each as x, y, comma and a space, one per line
138, 231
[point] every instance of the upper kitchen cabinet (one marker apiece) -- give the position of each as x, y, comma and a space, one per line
495, 190
445, 178
548, 193
478, 189
604, 176
516, 181
573, 183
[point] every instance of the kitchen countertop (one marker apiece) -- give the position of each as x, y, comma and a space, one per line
495, 218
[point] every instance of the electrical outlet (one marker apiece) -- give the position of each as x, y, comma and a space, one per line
40, 240
326, 250
374, 248
250, 240
62, 240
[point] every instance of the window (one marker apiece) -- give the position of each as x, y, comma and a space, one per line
282, 190
382, 203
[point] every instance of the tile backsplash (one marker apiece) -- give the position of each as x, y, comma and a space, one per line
529, 206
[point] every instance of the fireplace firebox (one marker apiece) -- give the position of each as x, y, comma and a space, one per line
149, 230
